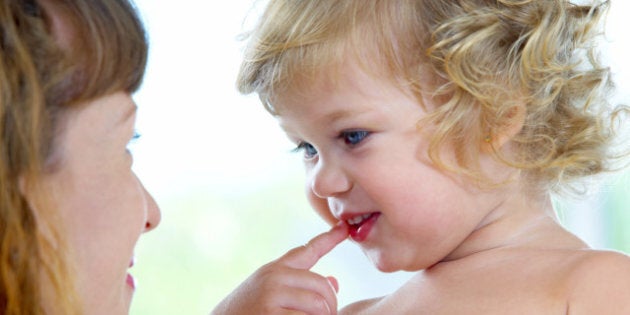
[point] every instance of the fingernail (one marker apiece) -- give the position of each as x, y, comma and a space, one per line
333, 283
341, 225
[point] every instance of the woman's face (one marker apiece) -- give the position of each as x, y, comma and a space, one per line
104, 208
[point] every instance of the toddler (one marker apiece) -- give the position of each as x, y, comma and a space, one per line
433, 133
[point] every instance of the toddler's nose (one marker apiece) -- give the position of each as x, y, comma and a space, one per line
328, 180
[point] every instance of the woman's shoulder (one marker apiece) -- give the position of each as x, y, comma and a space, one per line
600, 283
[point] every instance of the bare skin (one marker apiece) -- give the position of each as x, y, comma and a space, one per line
544, 270
541, 269
475, 250
287, 286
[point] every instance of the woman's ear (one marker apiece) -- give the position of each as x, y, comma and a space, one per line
23, 186
28, 192
511, 124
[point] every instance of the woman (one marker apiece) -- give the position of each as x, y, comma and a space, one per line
71, 208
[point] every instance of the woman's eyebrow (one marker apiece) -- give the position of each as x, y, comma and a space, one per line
128, 114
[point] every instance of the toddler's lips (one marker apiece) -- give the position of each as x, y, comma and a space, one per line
360, 226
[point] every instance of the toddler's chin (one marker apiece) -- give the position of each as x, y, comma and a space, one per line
381, 261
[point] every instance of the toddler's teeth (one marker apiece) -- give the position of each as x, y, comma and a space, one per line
358, 219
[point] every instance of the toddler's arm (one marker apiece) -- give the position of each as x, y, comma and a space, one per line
286, 285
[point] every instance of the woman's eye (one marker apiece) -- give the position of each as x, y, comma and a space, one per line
136, 136
353, 138
307, 148
133, 141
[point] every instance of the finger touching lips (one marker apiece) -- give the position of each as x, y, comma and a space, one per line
305, 257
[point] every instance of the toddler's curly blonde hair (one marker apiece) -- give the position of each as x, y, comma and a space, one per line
498, 63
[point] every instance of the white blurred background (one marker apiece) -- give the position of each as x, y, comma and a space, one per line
229, 189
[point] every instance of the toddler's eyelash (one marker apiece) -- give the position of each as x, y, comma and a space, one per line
305, 147
301, 146
297, 148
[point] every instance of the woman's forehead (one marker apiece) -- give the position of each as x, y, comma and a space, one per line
59, 24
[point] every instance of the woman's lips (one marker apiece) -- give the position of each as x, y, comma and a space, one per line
131, 282
361, 225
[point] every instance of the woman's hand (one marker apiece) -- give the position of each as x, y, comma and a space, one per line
286, 285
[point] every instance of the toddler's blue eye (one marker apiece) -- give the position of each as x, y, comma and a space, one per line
309, 150
354, 137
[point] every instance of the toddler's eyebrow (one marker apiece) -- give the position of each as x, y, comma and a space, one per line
341, 114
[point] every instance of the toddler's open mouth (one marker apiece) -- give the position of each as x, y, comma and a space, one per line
361, 225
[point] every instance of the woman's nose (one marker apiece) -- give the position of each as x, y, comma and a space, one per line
154, 215
328, 180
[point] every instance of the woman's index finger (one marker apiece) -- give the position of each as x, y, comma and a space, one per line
305, 257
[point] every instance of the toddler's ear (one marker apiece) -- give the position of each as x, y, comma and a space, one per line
510, 126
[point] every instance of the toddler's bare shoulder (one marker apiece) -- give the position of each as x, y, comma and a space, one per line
600, 284
361, 307
595, 264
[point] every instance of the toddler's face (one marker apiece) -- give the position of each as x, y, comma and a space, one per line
366, 164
